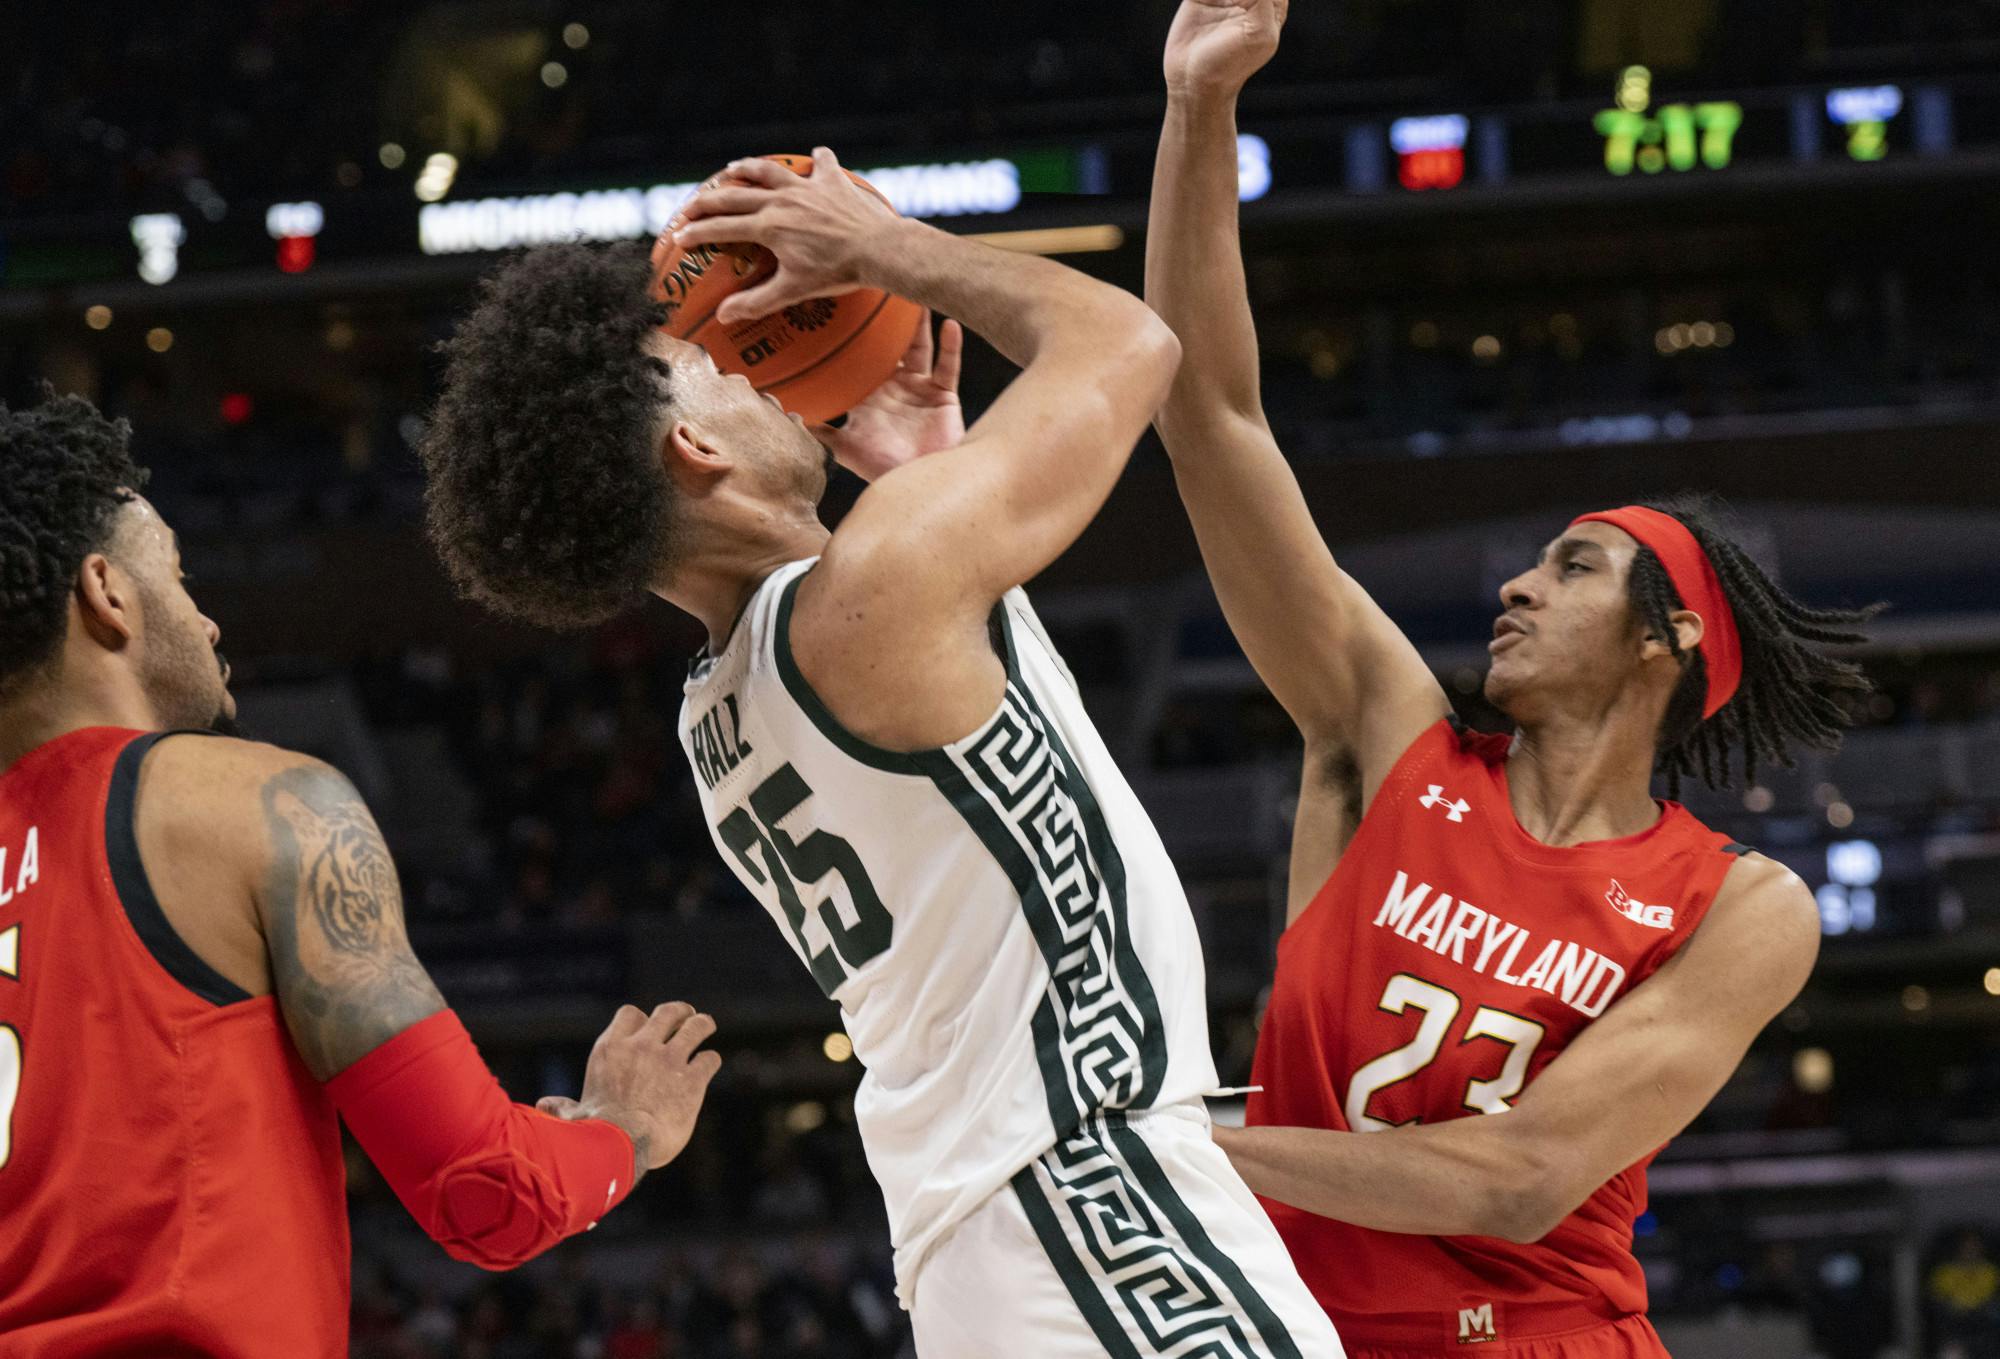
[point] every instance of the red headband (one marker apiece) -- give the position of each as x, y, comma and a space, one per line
1700, 589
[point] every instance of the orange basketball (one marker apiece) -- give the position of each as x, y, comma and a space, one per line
820, 358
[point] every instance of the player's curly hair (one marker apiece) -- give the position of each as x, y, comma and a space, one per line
545, 496
1793, 692
64, 471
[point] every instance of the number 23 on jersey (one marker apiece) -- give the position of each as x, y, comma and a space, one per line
1439, 1009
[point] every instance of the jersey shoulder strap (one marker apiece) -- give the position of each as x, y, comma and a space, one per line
1445, 748
1713, 855
134, 889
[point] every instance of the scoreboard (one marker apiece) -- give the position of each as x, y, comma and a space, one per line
1646, 130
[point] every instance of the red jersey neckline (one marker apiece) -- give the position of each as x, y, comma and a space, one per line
1525, 846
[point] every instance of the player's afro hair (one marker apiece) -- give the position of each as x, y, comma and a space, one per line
1793, 692
64, 471
545, 494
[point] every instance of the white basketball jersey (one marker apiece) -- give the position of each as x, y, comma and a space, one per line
998, 920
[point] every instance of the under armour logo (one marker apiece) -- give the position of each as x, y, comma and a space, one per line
1454, 809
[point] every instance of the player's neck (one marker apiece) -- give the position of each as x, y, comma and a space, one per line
55, 707
716, 583
1574, 781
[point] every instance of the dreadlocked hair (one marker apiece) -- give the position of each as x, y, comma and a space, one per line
1792, 692
64, 471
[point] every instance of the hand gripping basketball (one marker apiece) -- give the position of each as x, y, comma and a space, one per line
764, 269
818, 226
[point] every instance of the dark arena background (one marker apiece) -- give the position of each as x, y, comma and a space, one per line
1510, 262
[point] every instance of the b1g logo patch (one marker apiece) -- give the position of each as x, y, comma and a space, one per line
1475, 1325
1653, 917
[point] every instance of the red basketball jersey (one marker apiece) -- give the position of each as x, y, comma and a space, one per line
1448, 959
170, 1174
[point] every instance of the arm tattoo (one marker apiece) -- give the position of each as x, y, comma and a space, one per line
340, 956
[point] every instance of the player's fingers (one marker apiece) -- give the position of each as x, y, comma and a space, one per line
626, 1021
950, 355
824, 161
761, 170
767, 297
723, 201
559, 1105
720, 230
705, 1065
691, 1035
666, 1020
917, 358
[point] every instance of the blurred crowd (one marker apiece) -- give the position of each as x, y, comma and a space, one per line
820, 1297
125, 107
585, 809
827, 1299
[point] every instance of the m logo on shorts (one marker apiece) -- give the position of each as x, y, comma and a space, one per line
1475, 1325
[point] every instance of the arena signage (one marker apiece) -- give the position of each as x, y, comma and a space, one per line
941, 190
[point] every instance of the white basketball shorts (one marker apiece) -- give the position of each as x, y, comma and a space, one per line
1133, 1238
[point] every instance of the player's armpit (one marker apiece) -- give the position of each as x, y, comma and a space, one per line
332, 911
1638, 1076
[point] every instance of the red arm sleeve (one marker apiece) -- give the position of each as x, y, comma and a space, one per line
493, 1182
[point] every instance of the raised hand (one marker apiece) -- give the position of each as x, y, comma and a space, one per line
914, 413
647, 1076
819, 226
1215, 46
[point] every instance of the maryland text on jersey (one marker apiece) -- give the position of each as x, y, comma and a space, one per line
1580, 977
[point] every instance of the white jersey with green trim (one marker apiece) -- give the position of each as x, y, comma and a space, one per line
1007, 940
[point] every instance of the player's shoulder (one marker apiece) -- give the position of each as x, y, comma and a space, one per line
1764, 905
1763, 882
890, 559
228, 762
210, 780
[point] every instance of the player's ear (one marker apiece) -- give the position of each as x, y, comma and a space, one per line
1688, 631
691, 457
107, 600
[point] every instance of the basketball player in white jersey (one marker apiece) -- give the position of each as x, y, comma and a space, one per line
891, 755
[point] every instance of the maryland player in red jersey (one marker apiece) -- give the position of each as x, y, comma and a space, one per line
203, 962
1480, 925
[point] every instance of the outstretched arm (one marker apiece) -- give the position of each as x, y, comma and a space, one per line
1627, 1085
1352, 682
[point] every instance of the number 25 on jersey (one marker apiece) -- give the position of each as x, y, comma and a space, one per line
790, 865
